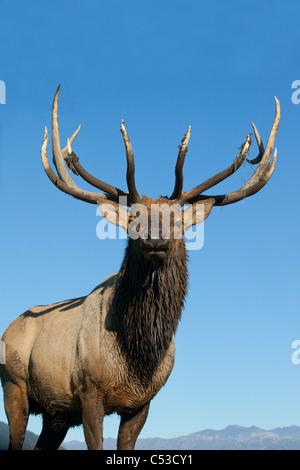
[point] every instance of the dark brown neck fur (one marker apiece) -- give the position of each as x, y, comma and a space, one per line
148, 303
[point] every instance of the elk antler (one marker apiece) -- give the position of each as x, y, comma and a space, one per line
183, 148
64, 156
260, 177
133, 194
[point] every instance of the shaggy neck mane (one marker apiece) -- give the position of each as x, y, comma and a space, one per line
148, 302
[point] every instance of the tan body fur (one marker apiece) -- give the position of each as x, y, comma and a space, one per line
55, 370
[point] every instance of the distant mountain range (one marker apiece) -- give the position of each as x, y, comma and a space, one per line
231, 438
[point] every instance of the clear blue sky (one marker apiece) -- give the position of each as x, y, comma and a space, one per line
162, 66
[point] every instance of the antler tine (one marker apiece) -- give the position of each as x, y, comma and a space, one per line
65, 151
260, 146
183, 148
58, 159
134, 196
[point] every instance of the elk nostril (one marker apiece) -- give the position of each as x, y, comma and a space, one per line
147, 244
164, 245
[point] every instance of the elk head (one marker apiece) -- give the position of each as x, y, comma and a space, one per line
135, 213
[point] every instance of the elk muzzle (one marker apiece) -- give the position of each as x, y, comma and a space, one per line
155, 249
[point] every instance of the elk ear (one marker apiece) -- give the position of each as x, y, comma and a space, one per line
196, 213
114, 213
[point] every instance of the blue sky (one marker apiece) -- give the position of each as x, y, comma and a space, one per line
162, 66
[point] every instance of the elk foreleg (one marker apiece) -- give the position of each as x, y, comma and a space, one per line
130, 427
16, 408
92, 419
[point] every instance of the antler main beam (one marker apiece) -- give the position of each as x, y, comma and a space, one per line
190, 195
260, 177
64, 156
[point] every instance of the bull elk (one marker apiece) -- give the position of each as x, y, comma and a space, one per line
110, 352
